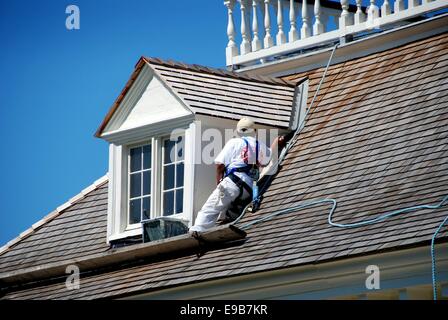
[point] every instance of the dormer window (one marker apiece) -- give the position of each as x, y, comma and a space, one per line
157, 130
147, 192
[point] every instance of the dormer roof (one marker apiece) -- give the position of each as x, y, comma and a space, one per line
219, 93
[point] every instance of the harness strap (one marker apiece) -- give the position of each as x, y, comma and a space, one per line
247, 168
256, 149
241, 184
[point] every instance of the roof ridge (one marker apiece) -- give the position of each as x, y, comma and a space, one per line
219, 72
94, 186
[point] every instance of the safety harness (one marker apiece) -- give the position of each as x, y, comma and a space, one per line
251, 169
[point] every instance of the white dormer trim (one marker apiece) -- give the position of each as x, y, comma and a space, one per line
134, 135
130, 100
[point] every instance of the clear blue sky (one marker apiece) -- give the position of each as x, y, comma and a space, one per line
56, 86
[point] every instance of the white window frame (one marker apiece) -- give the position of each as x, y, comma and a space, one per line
128, 187
179, 215
118, 226
157, 155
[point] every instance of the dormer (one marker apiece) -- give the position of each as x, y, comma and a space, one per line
167, 125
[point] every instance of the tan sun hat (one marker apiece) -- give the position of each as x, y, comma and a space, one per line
245, 125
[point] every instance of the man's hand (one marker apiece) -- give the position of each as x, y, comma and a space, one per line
279, 143
220, 170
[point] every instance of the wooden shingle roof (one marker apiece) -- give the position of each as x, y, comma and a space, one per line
376, 140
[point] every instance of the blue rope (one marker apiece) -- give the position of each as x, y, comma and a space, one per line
386, 216
362, 223
433, 259
288, 210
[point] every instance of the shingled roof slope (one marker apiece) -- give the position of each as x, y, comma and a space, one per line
76, 231
220, 93
376, 141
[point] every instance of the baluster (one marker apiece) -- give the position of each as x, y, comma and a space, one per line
305, 31
231, 49
281, 38
360, 17
398, 6
318, 27
268, 41
385, 8
372, 14
412, 4
247, 15
345, 18
293, 36
256, 43
245, 44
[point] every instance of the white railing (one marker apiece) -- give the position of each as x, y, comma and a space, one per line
265, 31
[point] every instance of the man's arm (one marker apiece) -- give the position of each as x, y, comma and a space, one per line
220, 169
279, 143
276, 146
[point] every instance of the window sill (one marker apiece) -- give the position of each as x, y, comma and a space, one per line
136, 231
134, 226
179, 216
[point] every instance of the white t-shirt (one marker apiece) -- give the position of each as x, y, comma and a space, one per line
234, 153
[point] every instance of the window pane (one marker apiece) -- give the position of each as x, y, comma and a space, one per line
136, 159
180, 175
168, 203
147, 157
168, 177
179, 200
134, 211
168, 149
146, 214
147, 182
180, 149
135, 185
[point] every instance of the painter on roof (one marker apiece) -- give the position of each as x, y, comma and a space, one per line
237, 173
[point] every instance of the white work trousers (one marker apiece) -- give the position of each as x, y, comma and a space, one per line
218, 202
